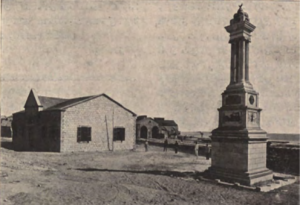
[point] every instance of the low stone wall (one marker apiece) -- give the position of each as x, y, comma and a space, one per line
283, 158
183, 147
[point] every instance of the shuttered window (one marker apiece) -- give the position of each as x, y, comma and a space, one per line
84, 134
119, 134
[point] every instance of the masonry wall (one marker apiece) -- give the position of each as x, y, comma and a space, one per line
38, 131
149, 124
230, 155
284, 158
6, 131
49, 131
20, 141
257, 156
102, 115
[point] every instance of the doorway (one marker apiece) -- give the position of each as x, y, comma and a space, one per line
144, 132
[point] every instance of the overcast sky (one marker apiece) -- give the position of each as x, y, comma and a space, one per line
159, 58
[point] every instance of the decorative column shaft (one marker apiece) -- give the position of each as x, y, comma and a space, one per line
241, 66
247, 63
232, 64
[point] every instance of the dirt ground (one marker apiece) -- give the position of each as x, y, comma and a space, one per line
121, 177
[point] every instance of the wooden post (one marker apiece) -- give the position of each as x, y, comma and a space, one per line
108, 144
113, 129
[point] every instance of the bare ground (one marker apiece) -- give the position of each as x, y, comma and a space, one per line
121, 177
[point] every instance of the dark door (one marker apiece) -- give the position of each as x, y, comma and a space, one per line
155, 132
144, 132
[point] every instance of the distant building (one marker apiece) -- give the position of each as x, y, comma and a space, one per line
158, 128
6, 130
92, 123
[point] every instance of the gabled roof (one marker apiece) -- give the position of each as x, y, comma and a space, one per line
68, 103
118, 104
75, 101
47, 102
169, 128
159, 120
169, 123
52, 103
165, 122
141, 117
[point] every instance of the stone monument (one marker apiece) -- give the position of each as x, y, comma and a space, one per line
239, 144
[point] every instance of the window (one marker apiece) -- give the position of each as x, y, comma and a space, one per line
84, 134
119, 134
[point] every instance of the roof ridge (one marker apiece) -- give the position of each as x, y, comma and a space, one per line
89, 96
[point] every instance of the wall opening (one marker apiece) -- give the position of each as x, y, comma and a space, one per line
155, 132
144, 132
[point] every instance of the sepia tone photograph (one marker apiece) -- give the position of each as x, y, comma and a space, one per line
149, 102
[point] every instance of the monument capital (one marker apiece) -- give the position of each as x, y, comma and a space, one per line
240, 26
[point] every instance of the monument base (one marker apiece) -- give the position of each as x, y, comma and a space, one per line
239, 157
253, 178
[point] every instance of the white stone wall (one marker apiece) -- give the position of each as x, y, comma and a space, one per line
92, 113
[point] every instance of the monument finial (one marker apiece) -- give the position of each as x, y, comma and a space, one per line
240, 15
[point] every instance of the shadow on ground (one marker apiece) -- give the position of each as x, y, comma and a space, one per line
151, 172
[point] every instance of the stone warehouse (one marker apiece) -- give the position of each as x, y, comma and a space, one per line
158, 128
92, 123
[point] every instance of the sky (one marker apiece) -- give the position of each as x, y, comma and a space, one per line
166, 59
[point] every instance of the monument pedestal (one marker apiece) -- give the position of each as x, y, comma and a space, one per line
239, 144
239, 157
